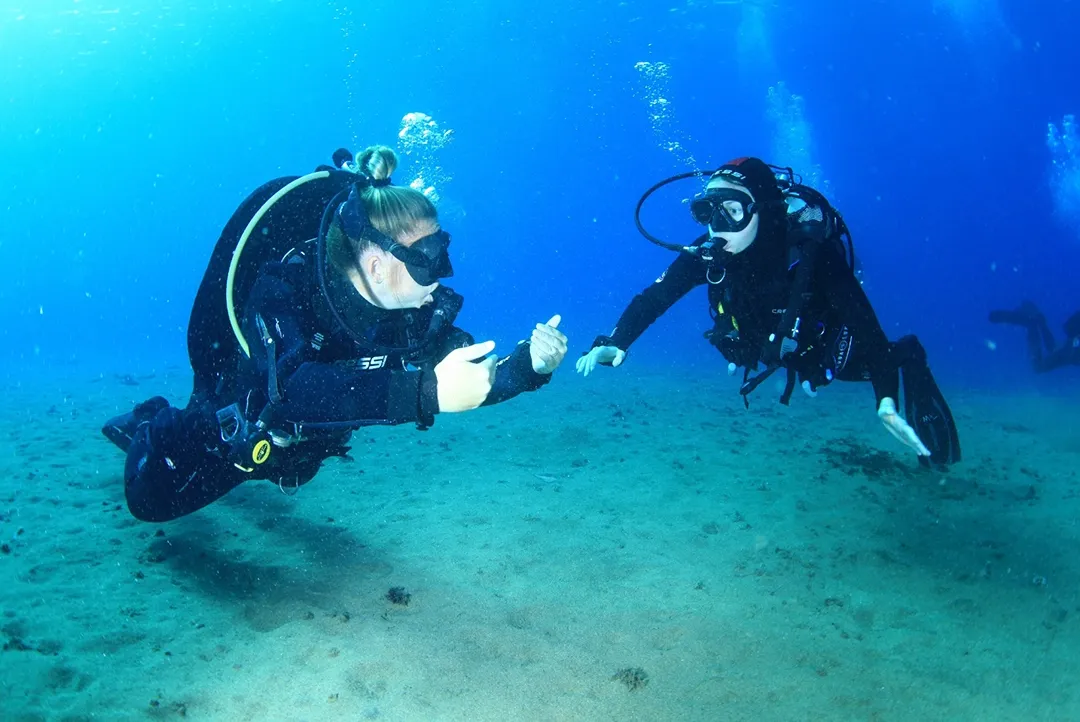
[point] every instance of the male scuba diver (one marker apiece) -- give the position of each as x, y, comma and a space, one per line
783, 294
1043, 350
321, 311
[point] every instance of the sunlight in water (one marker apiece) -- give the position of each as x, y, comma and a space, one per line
978, 19
752, 39
749, 18
793, 142
1064, 144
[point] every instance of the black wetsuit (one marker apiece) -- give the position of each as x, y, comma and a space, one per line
1043, 350
792, 301
330, 382
749, 300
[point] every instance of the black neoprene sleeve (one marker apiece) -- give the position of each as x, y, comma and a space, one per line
682, 276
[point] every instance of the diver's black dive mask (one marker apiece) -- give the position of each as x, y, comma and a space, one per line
427, 260
724, 209
708, 209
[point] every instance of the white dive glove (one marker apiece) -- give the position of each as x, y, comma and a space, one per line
547, 346
462, 384
598, 356
900, 428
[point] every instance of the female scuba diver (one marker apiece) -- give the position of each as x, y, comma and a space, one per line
321, 311
783, 293
1043, 350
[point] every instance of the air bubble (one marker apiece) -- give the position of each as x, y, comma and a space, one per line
421, 139
653, 89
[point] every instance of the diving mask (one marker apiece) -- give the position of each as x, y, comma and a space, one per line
724, 209
427, 260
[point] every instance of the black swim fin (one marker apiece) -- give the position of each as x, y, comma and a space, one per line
925, 407
1030, 317
1026, 314
1072, 326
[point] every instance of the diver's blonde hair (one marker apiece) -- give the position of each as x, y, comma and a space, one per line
394, 211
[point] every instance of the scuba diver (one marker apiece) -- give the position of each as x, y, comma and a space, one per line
1045, 354
321, 311
783, 293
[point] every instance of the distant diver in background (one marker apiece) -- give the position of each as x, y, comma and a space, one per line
322, 311
1045, 354
782, 291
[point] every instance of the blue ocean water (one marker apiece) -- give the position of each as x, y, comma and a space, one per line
129, 132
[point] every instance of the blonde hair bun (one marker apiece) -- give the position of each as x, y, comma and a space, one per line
378, 161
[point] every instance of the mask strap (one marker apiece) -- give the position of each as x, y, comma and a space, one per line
354, 217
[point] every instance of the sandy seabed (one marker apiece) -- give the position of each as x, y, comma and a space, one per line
632, 546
